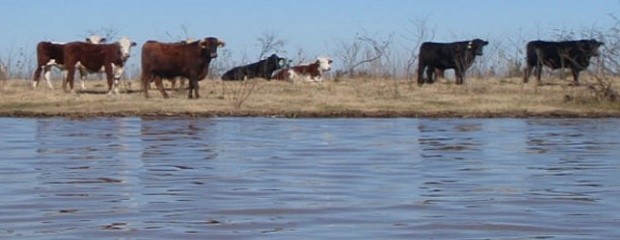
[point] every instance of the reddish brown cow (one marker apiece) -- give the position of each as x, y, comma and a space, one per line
50, 54
92, 58
170, 60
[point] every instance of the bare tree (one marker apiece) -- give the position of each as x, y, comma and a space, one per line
269, 42
419, 33
362, 50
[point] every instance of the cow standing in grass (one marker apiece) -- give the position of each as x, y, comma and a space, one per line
87, 57
441, 56
170, 60
565, 54
51, 54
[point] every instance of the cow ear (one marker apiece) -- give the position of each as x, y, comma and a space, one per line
88, 40
133, 44
103, 40
220, 43
485, 43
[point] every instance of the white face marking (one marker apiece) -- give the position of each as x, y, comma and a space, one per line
95, 39
125, 45
324, 64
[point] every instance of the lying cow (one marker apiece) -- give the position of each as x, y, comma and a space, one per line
88, 57
50, 54
312, 72
261, 69
459, 56
170, 60
566, 54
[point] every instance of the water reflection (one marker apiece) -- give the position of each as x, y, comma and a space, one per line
249, 178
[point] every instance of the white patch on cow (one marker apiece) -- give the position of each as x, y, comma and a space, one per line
325, 64
95, 39
125, 45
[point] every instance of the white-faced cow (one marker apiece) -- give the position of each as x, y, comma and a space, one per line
170, 60
50, 54
459, 56
565, 54
88, 57
261, 69
312, 72
125, 44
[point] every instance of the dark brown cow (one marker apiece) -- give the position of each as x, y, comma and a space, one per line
170, 60
93, 58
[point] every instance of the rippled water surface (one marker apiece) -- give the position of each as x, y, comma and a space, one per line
262, 178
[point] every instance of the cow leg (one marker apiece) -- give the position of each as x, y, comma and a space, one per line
109, 76
420, 74
69, 78
83, 74
538, 74
459, 76
146, 80
575, 77
526, 73
193, 86
430, 71
160, 86
118, 72
37, 76
46, 74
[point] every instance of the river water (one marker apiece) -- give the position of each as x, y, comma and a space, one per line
266, 178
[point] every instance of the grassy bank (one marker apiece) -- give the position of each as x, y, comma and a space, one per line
345, 98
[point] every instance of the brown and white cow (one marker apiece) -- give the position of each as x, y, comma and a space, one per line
312, 72
93, 58
125, 44
50, 54
170, 60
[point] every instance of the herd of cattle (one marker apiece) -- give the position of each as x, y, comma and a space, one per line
191, 59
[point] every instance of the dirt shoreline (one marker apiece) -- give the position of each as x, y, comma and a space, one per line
314, 114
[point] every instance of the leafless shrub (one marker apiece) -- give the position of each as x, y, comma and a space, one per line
17, 64
363, 50
416, 35
269, 42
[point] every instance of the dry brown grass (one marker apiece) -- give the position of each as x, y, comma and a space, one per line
346, 98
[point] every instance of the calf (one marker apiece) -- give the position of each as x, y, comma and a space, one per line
261, 69
170, 60
50, 54
459, 56
312, 72
93, 58
565, 54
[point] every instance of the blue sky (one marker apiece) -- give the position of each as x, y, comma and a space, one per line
315, 26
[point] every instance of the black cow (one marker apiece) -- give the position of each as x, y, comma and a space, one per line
565, 54
459, 56
261, 69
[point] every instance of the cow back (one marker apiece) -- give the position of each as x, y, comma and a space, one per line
47, 51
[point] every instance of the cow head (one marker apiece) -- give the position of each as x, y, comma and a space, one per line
476, 46
590, 47
278, 62
95, 39
325, 64
125, 46
210, 45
